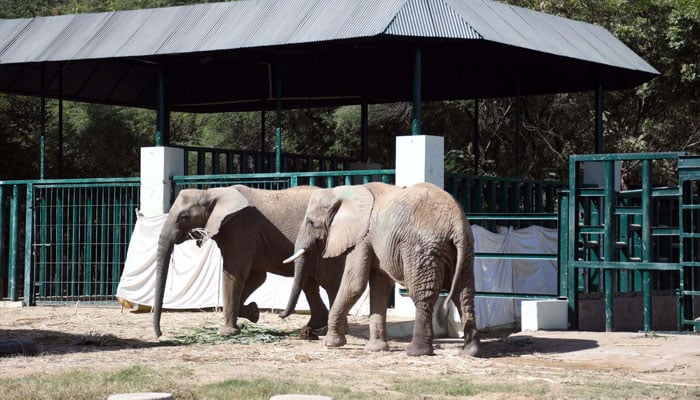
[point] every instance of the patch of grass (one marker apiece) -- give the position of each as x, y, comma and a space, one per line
89, 385
250, 334
263, 389
462, 386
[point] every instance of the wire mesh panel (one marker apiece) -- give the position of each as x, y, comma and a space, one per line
81, 236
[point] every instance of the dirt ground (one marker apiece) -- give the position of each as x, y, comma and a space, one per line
107, 338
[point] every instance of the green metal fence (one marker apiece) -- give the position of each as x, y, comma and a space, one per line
624, 241
66, 239
210, 161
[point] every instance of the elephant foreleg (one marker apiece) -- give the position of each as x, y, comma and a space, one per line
355, 278
230, 286
319, 312
254, 281
380, 286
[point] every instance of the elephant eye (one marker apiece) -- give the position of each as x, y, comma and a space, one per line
183, 217
310, 223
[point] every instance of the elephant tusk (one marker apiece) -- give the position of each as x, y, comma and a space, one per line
294, 256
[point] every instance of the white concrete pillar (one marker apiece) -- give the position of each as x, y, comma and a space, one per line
420, 158
158, 165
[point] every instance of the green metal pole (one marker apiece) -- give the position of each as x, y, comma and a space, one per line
163, 118
28, 250
278, 123
599, 118
3, 248
416, 124
60, 124
477, 138
87, 269
58, 273
646, 242
42, 137
13, 245
364, 131
518, 112
571, 224
608, 240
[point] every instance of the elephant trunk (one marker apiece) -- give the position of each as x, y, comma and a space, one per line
300, 273
166, 242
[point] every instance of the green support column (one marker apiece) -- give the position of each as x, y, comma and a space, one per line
3, 268
163, 118
60, 124
518, 112
608, 241
28, 250
571, 225
646, 242
42, 136
477, 138
364, 131
416, 123
599, 118
278, 123
13, 244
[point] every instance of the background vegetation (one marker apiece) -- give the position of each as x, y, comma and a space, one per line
662, 115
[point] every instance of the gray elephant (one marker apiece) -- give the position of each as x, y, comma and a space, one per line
417, 236
255, 230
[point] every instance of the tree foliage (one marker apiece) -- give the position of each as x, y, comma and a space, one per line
662, 115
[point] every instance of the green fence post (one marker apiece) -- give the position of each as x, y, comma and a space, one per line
58, 273
116, 259
87, 271
571, 224
42, 224
13, 262
28, 270
75, 234
563, 257
646, 242
3, 248
608, 239
102, 264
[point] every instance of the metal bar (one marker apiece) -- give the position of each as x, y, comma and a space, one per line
43, 225
278, 123
518, 118
608, 239
364, 131
60, 123
516, 256
529, 296
12, 267
599, 118
42, 124
417, 123
3, 247
563, 242
572, 235
75, 234
58, 272
163, 118
87, 268
646, 242
28, 294
104, 221
476, 138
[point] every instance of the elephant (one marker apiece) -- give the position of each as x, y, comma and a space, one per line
254, 229
417, 236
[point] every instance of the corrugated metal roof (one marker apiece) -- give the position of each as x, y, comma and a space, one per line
342, 49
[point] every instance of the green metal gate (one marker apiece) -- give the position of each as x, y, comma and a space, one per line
72, 236
622, 241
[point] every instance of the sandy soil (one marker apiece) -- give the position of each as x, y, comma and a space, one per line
107, 338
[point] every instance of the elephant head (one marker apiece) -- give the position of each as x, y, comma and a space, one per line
200, 213
336, 219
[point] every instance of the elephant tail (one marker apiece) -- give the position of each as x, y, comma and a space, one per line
461, 243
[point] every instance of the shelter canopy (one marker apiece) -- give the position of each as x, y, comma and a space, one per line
223, 56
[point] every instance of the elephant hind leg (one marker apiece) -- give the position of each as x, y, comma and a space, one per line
380, 286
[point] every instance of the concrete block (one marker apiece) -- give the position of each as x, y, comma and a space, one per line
141, 396
420, 158
539, 315
158, 165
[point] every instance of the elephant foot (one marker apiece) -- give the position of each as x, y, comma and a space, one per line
469, 350
415, 350
377, 345
334, 341
250, 312
317, 323
229, 330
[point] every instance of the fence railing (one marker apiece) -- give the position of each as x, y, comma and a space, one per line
210, 161
65, 239
284, 180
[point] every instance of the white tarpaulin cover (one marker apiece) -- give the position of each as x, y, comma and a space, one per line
194, 278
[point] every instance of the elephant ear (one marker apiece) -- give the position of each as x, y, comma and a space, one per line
225, 203
349, 225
